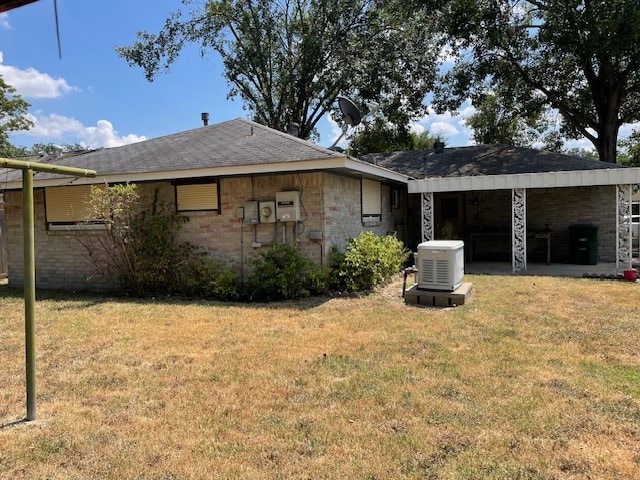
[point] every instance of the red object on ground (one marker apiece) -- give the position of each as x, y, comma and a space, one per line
630, 275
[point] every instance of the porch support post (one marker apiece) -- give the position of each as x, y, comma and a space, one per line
623, 227
427, 216
519, 229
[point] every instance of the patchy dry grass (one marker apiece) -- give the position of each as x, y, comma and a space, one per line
535, 378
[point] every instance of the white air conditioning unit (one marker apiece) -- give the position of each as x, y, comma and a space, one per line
440, 264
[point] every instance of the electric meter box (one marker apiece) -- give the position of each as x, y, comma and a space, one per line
267, 212
288, 206
251, 214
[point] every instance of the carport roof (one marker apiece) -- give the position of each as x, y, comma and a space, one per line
494, 167
482, 160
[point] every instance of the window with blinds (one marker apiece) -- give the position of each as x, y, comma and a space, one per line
198, 196
371, 201
67, 205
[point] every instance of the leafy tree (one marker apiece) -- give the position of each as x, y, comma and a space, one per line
497, 121
580, 57
13, 111
582, 152
630, 149
13, 151
381, 136
288, 60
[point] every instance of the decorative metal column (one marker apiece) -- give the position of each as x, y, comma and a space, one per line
427, 217
519, 229
623, 227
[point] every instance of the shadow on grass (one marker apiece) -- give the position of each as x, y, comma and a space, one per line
13, 423
83, 299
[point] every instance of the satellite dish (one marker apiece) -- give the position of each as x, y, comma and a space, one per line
352, 115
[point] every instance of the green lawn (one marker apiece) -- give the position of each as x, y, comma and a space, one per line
534, 378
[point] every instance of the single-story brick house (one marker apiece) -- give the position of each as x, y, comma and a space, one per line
242, 186
512, 203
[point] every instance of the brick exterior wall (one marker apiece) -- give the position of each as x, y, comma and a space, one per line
329, 203
556, 207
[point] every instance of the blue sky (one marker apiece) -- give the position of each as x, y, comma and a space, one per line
91, 96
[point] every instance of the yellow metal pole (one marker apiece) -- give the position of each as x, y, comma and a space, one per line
30, 263
29, 290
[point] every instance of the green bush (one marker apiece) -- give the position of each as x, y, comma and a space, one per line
156, 252
369, 260
282, 273
208, 278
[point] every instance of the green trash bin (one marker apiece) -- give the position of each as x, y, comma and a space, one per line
583, 244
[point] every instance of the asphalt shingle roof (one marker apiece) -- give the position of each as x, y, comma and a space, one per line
481, 160
237, 142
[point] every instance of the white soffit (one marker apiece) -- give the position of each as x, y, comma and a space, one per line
577, 178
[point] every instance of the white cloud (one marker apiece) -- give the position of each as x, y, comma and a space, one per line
443, 129
451, 127
582, 144
628, 128
466, 110
417, 128
69, 130
31, 83
103, 135
336, 131
4, 21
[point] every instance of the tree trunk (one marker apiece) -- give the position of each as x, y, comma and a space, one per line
607, 142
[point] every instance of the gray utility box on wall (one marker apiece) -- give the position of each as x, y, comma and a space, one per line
251, 215
288, 206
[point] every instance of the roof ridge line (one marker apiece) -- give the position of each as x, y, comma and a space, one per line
307, 143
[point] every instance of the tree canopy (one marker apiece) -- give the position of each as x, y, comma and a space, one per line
381, 136
13, 117
288, 60
578, 57
500, 121
630, 149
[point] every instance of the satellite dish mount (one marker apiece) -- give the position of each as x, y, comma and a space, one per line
351, 117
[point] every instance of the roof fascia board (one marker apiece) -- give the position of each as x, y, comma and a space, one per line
577, 178
371, 169
271, 168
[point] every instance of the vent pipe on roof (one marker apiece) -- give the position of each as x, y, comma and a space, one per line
438, 147
57, 151
205, 118
293, 129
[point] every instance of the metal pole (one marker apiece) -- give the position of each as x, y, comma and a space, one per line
29, 290
30, 263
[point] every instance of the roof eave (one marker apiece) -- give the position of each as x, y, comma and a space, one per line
575, 178
332, 163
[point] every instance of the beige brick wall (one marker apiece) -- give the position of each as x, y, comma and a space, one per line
59, 255
556, 207
329, 203
343, 220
